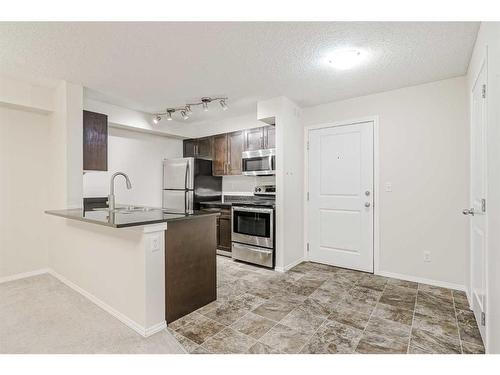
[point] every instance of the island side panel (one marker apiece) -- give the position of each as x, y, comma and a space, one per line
190, 265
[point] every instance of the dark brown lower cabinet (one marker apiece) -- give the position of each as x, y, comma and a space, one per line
223, 227
190, 265
224, 230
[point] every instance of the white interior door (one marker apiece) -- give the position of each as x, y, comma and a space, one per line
477, 212
340, 206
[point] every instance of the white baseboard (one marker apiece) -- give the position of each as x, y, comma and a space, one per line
422, 280
118, 315
23, 275
289, 266
156, 328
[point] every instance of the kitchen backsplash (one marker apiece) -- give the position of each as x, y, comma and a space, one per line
243, 185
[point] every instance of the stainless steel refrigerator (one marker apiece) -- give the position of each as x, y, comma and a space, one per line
187, 182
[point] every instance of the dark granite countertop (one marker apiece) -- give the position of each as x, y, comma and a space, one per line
122, 219
217, 204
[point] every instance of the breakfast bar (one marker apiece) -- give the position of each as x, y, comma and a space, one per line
138, 263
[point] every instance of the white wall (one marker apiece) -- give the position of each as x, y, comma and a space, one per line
489, 39
24, 168
289, 179
423, 143
140, 156
243, 185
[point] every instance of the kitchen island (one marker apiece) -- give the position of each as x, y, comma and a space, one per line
143, 265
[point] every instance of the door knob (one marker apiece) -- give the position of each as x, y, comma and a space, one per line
468, 211
367, 204
367, 193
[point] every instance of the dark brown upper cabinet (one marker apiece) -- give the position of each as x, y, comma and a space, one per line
198, 148
259, 138
269, 136
253, 139
235, 148
219, 160
227, 149
95, 141
189, 146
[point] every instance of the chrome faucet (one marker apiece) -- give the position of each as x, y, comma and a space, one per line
111, 196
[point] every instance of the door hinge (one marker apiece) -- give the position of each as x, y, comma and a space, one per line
308, 247
483, 205
307, 196
483, 319
307, 145
483, 91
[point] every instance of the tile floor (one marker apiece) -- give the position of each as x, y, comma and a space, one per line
315, 308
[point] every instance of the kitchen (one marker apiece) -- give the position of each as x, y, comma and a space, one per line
192, 187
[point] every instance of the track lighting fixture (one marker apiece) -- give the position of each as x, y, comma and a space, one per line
223, 104
184, 115
187, 111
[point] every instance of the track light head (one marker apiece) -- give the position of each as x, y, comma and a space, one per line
204, 102
184, 115
189, 111
169, 115
156, 119
223, 104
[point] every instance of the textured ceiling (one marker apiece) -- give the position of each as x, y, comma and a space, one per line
149, 66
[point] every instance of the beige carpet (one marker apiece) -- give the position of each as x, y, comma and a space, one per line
42, 315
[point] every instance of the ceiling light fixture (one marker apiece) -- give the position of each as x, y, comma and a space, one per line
187, 111
344, 59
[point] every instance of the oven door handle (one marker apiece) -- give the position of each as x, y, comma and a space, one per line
253, 209
253, 248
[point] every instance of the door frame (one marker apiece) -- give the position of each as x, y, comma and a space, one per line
482, 65
376, 169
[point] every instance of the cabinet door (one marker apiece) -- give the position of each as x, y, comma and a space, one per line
219, 155
270, 137
204, 148
224, 235
95, 141
189, 148
235, 148
253, 139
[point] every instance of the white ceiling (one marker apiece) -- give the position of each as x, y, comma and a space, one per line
149, 66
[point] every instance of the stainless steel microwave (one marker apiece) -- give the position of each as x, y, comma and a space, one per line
258, 162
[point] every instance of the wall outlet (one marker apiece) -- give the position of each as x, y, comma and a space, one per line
154, 244
388, 187
427, 256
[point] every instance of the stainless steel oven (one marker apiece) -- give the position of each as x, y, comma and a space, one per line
258, 162
253, 234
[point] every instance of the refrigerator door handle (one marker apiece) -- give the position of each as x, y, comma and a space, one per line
186, 187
